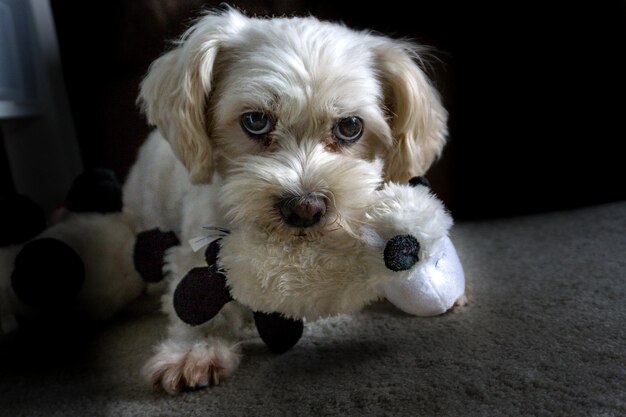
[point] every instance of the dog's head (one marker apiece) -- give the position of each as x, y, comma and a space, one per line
238, 92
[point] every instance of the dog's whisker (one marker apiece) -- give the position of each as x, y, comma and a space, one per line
339, 227
336, 222
217, 228
331, 196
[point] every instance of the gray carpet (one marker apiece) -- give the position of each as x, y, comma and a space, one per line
544, 334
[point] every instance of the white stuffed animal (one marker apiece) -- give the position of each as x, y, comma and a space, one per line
79, 269
399, 249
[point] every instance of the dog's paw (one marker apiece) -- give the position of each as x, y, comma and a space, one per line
178, 366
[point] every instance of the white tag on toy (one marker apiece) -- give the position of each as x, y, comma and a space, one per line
201, 241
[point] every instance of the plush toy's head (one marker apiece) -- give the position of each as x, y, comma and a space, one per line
423, 275
95, 191
401, 251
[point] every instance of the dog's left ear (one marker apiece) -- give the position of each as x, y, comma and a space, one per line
417, 117
176, 88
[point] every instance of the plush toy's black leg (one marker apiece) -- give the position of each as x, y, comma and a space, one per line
279, 333
47, 273
150, 247
200, 295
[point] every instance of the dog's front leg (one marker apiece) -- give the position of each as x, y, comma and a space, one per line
195, 356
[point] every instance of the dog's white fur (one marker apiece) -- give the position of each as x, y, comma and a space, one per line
307, 75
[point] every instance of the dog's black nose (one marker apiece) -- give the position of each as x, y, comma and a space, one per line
302, 212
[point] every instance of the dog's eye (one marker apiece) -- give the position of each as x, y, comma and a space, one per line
256, 123
349, 129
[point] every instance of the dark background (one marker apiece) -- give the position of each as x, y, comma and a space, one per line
535, 92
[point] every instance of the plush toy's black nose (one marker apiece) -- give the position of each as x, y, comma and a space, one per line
302, 212
401, 252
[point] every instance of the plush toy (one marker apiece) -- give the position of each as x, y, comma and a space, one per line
401, 251
81, 268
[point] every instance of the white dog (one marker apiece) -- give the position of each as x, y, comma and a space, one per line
311, 106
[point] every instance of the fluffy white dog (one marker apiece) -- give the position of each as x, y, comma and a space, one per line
276, 122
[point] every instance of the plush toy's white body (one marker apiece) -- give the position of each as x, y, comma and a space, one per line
343, 271
104, 242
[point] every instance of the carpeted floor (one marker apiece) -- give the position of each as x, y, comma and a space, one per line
544, 334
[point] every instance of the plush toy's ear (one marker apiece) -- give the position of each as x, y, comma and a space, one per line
415, 181
174, 93
418, 119
96, 190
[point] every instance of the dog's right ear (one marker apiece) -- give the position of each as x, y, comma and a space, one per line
417, 117
175, 91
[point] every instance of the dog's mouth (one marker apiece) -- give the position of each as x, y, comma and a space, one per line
327, 226
311, 235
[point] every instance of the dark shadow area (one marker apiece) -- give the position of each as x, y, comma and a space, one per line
535, 91
47, 345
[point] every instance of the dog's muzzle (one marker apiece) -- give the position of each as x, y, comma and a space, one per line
296, 211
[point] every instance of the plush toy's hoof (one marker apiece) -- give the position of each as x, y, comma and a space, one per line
150, 247
433, 287
401, 253
95, 191
279, 333
47, 273
200, 295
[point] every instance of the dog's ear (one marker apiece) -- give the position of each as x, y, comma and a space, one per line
417, 117
175, 91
